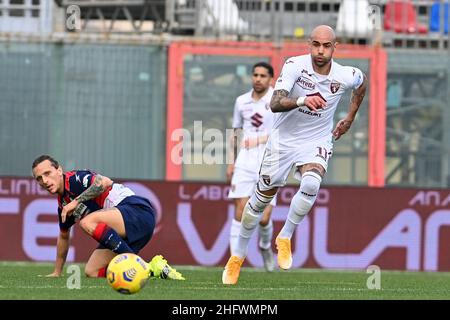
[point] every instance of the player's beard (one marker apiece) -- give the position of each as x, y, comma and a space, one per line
259, 89
320, 63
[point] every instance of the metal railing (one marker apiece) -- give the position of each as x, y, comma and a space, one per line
356, 21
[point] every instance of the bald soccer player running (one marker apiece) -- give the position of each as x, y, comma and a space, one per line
305, 99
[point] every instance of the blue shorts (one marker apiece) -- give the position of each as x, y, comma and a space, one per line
139, 218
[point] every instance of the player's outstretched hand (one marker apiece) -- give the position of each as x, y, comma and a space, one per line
341, 127
314, 103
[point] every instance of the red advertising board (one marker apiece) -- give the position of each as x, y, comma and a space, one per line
348, 228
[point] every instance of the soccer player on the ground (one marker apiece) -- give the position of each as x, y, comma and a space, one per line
305, 98
111, 213
253, 118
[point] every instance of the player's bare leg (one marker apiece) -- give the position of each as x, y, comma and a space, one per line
107, 227
250, 219
98, 262
111, 216
301, 203
107, 223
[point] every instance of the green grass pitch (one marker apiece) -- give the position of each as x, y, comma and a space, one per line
21, 281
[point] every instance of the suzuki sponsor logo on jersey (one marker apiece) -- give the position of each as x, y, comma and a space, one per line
306, 83
310, 113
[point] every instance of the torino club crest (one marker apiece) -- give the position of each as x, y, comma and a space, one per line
334, 86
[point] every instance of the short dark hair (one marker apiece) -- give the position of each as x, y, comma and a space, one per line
264, 65
44, 157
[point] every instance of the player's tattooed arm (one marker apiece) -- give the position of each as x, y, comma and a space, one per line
357, 97
281, 103
99, 185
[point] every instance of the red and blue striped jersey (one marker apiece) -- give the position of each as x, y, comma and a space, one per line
78, 181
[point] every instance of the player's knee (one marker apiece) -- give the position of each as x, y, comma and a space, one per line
265, 188
259, 201
310, 184
87, 226
304, 199
90, 272
84, 224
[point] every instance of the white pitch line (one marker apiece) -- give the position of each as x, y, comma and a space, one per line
25, 264
49, 287
361, 272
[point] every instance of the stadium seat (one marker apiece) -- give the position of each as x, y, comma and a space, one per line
353, 19
435, 17
224, 15
400, 16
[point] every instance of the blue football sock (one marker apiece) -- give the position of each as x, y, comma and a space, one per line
110, 239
